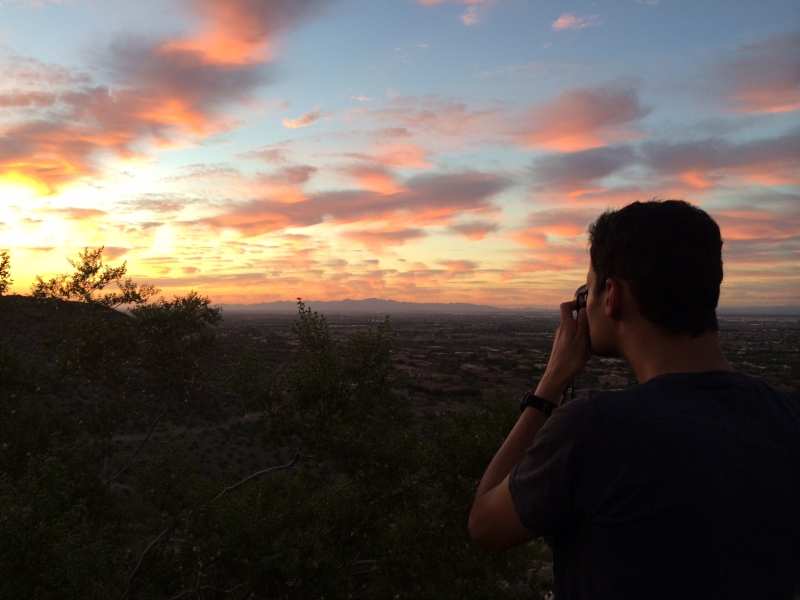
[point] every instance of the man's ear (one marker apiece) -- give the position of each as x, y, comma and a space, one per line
613, 300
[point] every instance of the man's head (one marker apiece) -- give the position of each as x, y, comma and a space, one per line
669, 253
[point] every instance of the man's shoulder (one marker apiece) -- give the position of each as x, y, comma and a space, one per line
684, 395
671, 384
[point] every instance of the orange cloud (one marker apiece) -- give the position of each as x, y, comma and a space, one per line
584, 118
242, 31
62, 123
553, 259
459, 266
529, 238
376, 179
542, 226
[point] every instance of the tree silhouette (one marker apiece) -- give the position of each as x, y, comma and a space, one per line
5, 269
90, 277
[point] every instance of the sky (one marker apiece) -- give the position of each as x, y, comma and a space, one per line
417, 150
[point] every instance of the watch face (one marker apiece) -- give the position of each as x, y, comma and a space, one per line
532, 400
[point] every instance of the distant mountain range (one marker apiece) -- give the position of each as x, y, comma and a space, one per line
375, 305
388, 307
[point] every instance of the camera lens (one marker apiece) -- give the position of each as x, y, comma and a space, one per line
580, 297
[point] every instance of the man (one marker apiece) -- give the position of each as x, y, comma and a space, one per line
685, 486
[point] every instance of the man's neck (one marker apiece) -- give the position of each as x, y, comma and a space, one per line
652, 352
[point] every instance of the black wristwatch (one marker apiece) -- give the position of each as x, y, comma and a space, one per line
531, 399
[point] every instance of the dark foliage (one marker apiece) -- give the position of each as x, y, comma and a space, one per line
363, 499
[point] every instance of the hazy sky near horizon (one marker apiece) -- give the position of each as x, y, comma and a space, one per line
428, 150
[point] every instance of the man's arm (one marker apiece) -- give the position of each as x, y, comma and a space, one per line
493, 522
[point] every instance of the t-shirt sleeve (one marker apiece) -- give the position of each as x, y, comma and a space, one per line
542, 483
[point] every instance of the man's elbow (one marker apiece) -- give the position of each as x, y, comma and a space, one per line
482, 532
493, 523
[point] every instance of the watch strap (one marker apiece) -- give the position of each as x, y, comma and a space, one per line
534, 401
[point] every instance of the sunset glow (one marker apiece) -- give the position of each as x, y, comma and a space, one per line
417, 150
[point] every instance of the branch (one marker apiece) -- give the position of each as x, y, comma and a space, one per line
144, 441
96, 396
341, 487
365, 571
182, 594
393, 494
220, 590
141, 561
288, 465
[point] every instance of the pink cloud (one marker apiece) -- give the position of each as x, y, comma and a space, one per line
569, 21
113, 252
395, 155
474, 230
429, 199
27, 99
432, 2
269, 155
306, 119
578, 172
584, 118
681, 167
432, 115
77, 214
161, 203
472, 16
706, 163
764, 77
379, 239
767, 224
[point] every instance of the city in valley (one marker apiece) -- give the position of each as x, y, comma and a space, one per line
453, 361
459, 358
449, 361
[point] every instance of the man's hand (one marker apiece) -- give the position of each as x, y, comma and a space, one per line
571, 351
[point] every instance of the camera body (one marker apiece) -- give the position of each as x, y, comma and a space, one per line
580, 297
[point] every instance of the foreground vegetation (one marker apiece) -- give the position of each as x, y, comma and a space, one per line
364, 499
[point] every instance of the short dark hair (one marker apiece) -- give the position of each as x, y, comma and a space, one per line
670, 253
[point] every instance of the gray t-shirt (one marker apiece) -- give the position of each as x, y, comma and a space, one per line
687, 486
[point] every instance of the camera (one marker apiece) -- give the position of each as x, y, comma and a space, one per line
580, 297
